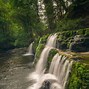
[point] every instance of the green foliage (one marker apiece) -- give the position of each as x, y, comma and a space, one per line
87, 32
43, 39
83, 32
66, 37
19, 23
79, 8
51, 54
50, 57
50, 14
78, 77
39, 50
66, 25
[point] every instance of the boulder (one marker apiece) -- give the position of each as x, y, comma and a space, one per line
79, 44
46, 85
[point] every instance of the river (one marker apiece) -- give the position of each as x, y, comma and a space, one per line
14, 69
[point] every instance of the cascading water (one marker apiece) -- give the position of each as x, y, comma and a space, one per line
53, 63
60, 66
46, 77
56, 67
43, 59
41, 64
59, 70
63, 72
67, 74
30, 50
51, 42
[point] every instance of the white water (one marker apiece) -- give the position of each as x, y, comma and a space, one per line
56, 67
53, 63
59, 69
46, 77
67, 74
40, 67
41, 64
51, 42
63, 72
55, 86
60, 66
30, 50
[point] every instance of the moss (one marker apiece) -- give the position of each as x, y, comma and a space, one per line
78, 77
65, 38
36, 42
87, 32
39, 49
43, 39
50, 57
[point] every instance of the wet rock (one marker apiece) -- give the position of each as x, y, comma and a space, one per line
46, 85
61, 45
79, 44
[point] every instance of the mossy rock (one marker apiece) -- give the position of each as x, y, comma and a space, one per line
78, 77
43, 39
50, 57
39, 49
66, 38
79, 44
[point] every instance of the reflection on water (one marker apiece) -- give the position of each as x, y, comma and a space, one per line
14, 70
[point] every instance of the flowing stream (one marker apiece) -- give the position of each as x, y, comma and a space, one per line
30, 50
14, 69
58, 74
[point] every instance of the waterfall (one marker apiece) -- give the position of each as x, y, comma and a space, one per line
53, 63
41, 64
30, 50
59, 70
62, 73
51, 42
67, 74
60, 67
46, 77
43, 59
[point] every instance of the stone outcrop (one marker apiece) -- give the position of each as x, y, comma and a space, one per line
79, 44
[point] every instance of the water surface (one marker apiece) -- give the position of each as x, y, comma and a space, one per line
14, 69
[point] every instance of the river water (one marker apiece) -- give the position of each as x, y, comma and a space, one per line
14, 69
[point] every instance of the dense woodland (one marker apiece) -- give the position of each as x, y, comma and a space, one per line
20, 23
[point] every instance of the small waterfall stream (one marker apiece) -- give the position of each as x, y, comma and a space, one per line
30, 50
58, 73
